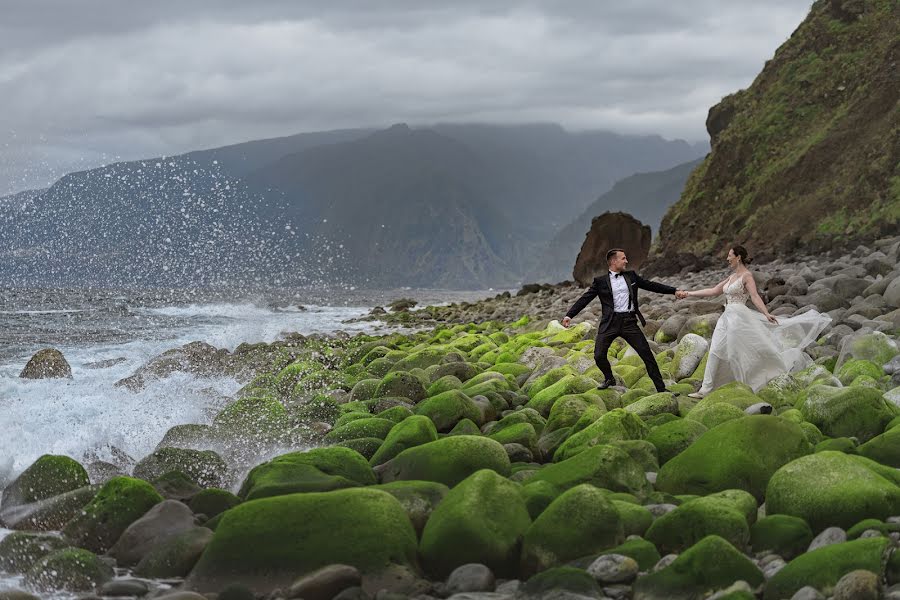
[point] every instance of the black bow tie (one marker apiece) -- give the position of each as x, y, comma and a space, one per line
618, 275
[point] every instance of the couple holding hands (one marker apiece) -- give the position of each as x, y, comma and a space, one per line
747, 346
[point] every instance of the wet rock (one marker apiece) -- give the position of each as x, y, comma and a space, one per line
858, 585
48, 363
613, 568
124, 587
829, 536
472, 577
166, 519
611, 230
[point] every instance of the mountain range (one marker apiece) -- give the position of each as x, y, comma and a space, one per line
452, 206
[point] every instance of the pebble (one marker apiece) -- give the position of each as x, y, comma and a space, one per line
831, 535
857, 585
472, 577
613, 568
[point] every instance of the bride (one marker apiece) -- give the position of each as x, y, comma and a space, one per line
748, 346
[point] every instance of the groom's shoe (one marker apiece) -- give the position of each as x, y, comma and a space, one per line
606, 384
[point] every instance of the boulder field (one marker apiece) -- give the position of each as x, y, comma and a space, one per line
479, 460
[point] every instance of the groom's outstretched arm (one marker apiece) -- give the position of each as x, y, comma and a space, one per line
653, 286
583, 301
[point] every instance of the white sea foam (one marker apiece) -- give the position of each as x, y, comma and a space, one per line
89, 414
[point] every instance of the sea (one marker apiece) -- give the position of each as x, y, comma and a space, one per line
106, 334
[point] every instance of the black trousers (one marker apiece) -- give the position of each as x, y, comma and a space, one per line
625, 326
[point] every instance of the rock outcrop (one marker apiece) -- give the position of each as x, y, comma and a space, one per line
611, 230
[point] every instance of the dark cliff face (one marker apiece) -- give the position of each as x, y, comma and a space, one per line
806, 158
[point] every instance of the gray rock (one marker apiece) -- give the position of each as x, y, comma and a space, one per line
166, 519
48, 363
772, 568
325, 583
509, 587
658, 510
688, 354
892, 366
613, 568
892, 293
829, 536
14, 594
664, 562
760, 408
472, 577
518, 453
352, 593
857, 585
807, 593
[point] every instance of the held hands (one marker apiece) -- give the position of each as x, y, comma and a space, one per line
566, 321
682, 294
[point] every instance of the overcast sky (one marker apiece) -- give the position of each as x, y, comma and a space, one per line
87, 82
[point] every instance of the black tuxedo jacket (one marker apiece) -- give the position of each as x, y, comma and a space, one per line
602, 288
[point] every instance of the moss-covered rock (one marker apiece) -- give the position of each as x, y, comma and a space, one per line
266, 544
412, 431
402, 384
567, 410
481, 520
853, 369
316, 470
841, 444
20, 550
444, 384
448, 460
642, 451
709, 565
833, 488
712, 415
366, 447
875, 347
672, 438
602, 466
690, 351
615, 425
643, 552
118, 504
822, 568
538, 495
50, 475
694, 520
465, 427
846, 412
203, 467
580, 521
741, 454
360, 428
884, 448
635, 518
364, 389
254, 415
572, 384
654, 404
784, 535
71, 569
212, 502
449, 408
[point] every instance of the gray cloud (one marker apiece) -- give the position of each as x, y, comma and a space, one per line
88, 82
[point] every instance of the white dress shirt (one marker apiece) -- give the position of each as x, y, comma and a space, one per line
620, 292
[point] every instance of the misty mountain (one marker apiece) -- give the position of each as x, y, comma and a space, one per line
646, 196
449, 206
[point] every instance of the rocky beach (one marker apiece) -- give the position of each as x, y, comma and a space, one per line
473, 457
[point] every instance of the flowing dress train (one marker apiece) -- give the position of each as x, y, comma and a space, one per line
746, 347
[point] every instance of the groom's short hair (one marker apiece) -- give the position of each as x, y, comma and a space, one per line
612, 254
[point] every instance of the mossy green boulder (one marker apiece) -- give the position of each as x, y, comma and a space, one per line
48, 476
119, 503
636, 519
832, 488
360, 428
580, 521
654, 404
481, 520
602, 466
639, 549
412, 431
254, 415
70, 569
709, 565
692, 521
856, 412
449, 408
212, 501
316, 470
615, 425
203, 467
856, 368
401, 384
20, 550
884, 448
560, 582
672, 438
568, 409
784, 535
448, 460
822, 568
741, 454
572, 384
268, 543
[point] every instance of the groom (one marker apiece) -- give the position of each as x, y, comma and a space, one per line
618, 295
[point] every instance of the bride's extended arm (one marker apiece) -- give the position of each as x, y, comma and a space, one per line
713, 291
750, 284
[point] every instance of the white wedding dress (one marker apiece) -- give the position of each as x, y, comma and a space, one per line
745, 347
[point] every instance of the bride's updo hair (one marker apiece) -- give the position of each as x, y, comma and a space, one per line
741, 253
